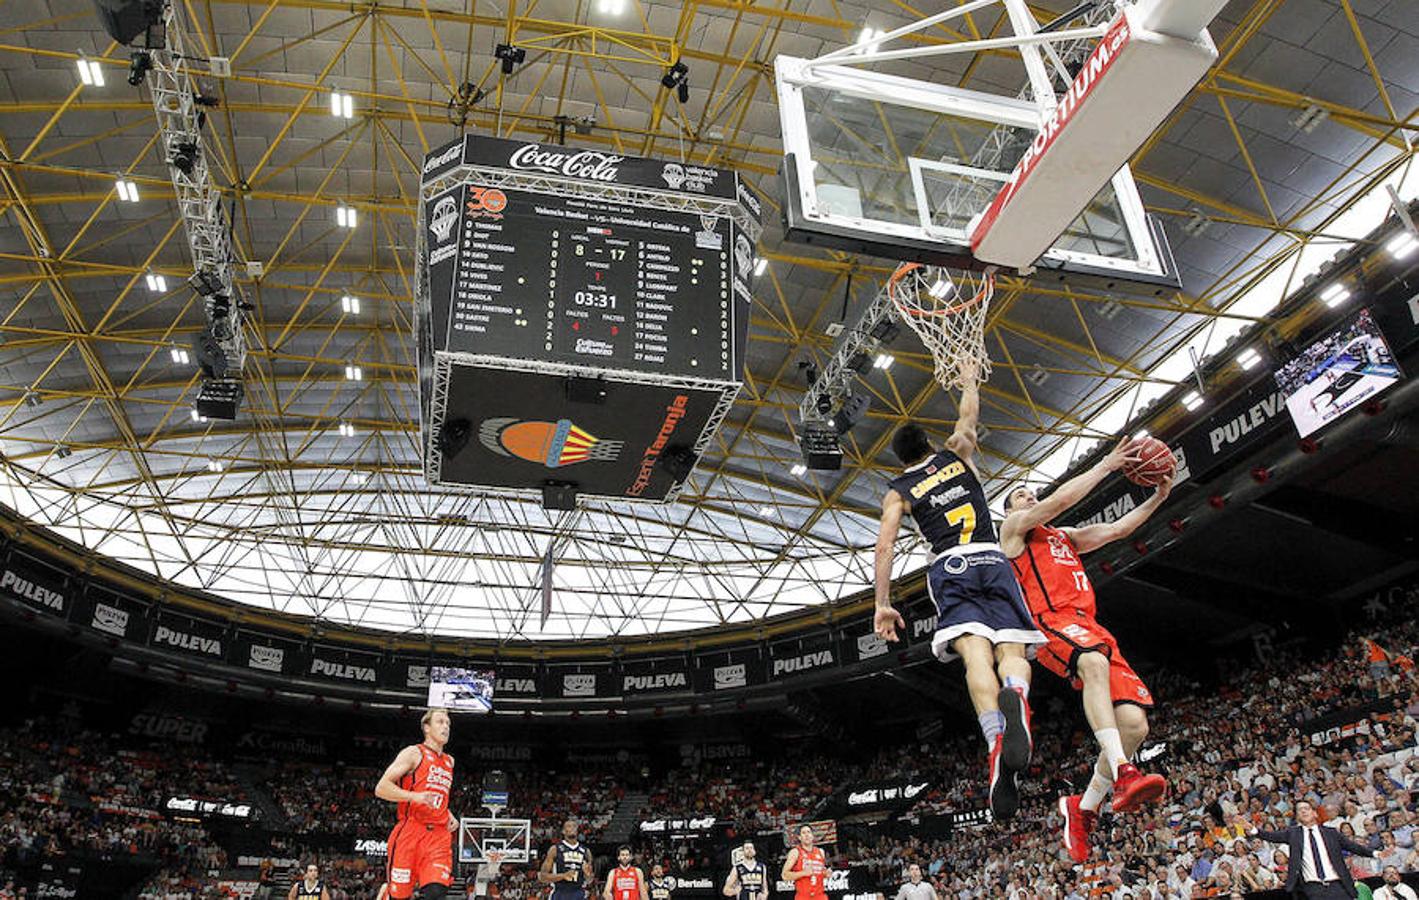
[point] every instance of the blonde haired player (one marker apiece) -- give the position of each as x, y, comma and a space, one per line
1079, 649
420, 849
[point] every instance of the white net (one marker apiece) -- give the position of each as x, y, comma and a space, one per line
947, 310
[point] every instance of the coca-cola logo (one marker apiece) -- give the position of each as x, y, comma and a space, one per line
592, 165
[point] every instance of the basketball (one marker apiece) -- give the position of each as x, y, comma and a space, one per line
1155, 462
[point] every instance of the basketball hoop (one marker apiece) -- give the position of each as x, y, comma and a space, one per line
947, 310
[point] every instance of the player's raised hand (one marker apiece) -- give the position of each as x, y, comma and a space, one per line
1123, 453
886, 621
1165, 487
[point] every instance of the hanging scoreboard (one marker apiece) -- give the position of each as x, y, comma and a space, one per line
586, 265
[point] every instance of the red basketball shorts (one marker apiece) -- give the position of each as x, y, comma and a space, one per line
419, 854
1071, 633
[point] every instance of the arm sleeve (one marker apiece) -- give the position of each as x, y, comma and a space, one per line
1352, 847
1275, 837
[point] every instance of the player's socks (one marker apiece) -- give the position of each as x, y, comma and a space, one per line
1017, 744
1095, 793
1018, 684
992, 724
1112, 745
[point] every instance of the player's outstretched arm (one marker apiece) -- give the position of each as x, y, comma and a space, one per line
387, 788
1092, 537
1019, 523
887, 620
963, 439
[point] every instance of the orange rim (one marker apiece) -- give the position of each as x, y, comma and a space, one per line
905, 269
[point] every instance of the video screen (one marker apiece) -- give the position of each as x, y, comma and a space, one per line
461, 690
1337, 373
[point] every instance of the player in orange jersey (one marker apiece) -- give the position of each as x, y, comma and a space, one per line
806, 867
1057, 589
625, 881
420, 851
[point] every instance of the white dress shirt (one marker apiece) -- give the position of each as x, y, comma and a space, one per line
1398, 892
1308, 867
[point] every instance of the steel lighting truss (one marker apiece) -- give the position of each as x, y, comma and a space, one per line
199, 201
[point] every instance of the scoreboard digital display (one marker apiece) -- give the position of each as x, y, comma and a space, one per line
586, 282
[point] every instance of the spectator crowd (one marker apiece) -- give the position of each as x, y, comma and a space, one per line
1237, 758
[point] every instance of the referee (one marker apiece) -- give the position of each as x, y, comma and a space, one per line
915, 888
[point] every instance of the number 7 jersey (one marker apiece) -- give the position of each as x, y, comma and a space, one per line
947, 502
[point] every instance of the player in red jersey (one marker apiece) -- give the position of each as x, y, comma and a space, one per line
1079, 649
625, 882
807, 868
420, 851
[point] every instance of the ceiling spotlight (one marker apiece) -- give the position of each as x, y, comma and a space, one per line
345, 216
211, 358
354, 373
678, 78
214, 465
181, 357
139, 62
766, 511
90, 72
360, 477
350, 304
1335, 294
941, 287
611, 7
885, 331
511, 56
1248, 358
184, 157
883, 361
1192, 400
198, 417
127, 190
798, 469
347, 430
205, 282
1402, 245
342, 106
157, 283
761, 265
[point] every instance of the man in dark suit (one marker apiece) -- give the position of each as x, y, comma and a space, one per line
1316, 870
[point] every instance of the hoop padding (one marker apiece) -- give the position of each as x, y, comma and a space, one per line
947, 310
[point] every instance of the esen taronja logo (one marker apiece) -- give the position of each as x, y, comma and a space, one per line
553, 444
443, 218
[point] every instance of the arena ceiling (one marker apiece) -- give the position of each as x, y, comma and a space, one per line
1272, 164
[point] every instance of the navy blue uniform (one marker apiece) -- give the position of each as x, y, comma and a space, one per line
751, 879
570, 858
969, 579
661, 888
